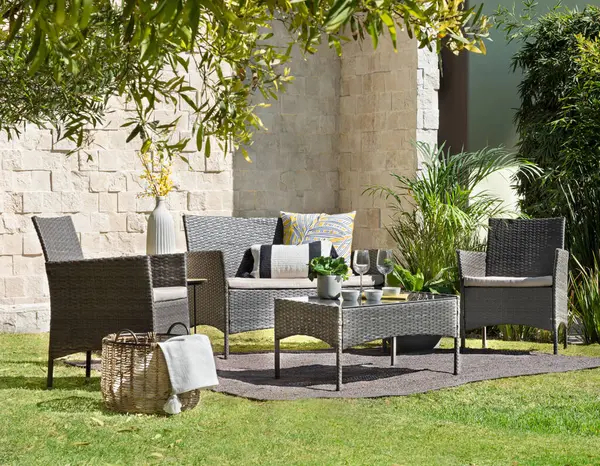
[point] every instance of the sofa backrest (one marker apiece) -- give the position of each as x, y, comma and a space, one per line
231, 235
523, 247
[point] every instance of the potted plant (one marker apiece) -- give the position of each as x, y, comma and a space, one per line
329, 272
415, 282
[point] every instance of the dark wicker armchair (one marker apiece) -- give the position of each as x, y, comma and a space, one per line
91, 298
522, 278
216, 247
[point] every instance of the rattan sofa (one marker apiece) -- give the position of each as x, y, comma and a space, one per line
521, 279
91, 298
216, 248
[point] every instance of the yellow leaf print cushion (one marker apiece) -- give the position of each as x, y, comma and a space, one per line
306, 228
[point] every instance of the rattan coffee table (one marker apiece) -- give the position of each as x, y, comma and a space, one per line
343, 324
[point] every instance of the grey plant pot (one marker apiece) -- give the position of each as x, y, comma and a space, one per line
329, 286
160, 238
417, 343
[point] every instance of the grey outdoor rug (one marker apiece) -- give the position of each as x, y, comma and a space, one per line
367, 373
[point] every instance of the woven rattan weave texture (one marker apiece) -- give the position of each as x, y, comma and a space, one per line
216, 246
342, 328
518, 248
91, 298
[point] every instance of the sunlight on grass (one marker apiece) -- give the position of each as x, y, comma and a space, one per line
536, 420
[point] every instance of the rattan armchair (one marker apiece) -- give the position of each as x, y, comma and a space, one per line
91, 298
217, 249
521, 279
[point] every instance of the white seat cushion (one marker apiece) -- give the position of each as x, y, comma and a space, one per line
296, 283
169, 293
508, 282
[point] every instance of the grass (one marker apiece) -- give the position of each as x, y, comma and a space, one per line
549, 419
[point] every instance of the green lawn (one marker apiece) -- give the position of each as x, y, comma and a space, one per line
541, 420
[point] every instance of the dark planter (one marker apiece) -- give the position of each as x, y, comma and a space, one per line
417, 343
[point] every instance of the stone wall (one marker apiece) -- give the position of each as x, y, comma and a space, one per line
295, 166
388, 101
342, 125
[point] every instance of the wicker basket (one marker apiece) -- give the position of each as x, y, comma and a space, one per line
135, 378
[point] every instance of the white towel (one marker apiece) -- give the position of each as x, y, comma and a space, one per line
190, 363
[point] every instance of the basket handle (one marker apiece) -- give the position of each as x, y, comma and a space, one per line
126, 330
187, 331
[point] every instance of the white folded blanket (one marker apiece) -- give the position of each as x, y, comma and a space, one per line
191, 366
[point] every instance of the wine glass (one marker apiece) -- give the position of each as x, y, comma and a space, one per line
361, 265
385, 262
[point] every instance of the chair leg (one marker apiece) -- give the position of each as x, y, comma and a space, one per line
88, 364
50, 379
566, 336
555, 339
484, 338
463, 342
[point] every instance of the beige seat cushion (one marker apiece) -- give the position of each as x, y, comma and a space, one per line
296, 283
169, 293
508, 282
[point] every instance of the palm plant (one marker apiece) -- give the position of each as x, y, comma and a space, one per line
448, 211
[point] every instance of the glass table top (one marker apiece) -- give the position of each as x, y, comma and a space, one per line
404, 298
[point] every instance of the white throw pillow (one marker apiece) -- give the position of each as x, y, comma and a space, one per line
287, 261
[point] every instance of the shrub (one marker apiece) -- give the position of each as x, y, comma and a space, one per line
558, 121
585, 300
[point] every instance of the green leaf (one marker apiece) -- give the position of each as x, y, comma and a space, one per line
207, 148
86, 13
134, 133
59, 12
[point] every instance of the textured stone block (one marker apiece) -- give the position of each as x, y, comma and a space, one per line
33, 202
107, 182
108, 202
87, 160
126, 202
71, 202
31, 245
136, 223
14, 287
11, 244
28, 265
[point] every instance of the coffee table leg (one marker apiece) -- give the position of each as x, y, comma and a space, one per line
456, 356
277, 373
338, 363
393, 351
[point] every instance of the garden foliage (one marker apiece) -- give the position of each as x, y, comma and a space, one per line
558, 124
62, 62
446, 209
558, 121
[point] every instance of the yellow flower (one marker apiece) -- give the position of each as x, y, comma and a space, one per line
156, 173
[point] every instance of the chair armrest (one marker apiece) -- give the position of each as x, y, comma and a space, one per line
561, 269
168, 270
94, 297
471, 263
102, 286
560, 281
111, 273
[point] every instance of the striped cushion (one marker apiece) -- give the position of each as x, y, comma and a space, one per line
305, 228
286, 261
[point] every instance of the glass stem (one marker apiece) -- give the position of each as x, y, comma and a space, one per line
361, 287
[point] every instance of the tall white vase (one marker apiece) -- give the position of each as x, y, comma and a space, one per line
160, 238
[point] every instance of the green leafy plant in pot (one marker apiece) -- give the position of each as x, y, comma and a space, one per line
330, 272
